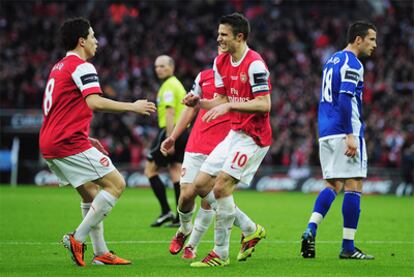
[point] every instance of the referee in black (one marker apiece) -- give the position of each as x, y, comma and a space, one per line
169, 108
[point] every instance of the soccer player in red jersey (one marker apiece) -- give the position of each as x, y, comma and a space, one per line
203, 138
72, 93
242, 81
210, 134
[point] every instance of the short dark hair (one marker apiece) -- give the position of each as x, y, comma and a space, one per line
238, 23
71, 30
359, 28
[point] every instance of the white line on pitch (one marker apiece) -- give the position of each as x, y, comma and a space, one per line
206, 241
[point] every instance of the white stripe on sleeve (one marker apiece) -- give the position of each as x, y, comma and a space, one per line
85, 76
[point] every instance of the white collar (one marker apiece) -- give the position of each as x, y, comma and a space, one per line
242, 58
70, 53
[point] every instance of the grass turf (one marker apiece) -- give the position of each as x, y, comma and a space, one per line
33, 220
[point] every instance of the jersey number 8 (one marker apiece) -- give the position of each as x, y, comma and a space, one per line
47, 100
327, 85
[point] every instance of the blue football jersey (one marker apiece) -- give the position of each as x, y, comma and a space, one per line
342, 73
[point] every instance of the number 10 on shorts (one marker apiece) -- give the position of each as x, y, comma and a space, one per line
239, 159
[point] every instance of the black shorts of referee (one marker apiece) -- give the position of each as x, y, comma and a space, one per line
161, 160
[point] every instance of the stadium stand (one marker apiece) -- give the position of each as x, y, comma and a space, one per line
294, 42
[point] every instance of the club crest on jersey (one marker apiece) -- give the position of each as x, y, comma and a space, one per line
183, 171
243, 77
104, 161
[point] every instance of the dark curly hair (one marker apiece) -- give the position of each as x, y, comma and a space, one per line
71, 30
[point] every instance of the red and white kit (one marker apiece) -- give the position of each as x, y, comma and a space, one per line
242, 151
67, 118
204, 136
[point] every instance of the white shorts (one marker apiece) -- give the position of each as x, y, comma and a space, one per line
237, 155
191, 166
81, 168
334, 162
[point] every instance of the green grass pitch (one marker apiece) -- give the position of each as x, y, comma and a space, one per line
33, 220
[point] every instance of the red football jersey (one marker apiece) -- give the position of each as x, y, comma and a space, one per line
241, 82
205, 136
67, 117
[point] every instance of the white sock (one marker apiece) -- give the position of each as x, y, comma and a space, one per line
316, 218
211, 200
244, 222
225, 214
100, 207
201, 224
348, 233
185, 221
96, 234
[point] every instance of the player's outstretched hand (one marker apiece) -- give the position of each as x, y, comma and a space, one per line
95, 143
191, 100
167, 146
144, 107
216, 112
351, 146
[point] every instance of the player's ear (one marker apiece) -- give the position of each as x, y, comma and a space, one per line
81, 41
240, 37
358, 40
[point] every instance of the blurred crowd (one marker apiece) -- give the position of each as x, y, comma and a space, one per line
294, 38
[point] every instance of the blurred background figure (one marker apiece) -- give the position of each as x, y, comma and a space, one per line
169, 109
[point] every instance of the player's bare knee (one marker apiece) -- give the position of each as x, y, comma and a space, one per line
187, 192
121, 185
353, 184
189, 199
150, 169
335, 184
337, 188
203, 183
224, 185
200, 189
186, 205
148, 172
88, 192
87, 198
205, 205
175, 172
114, 183
118, 185
218, 192
221, 189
